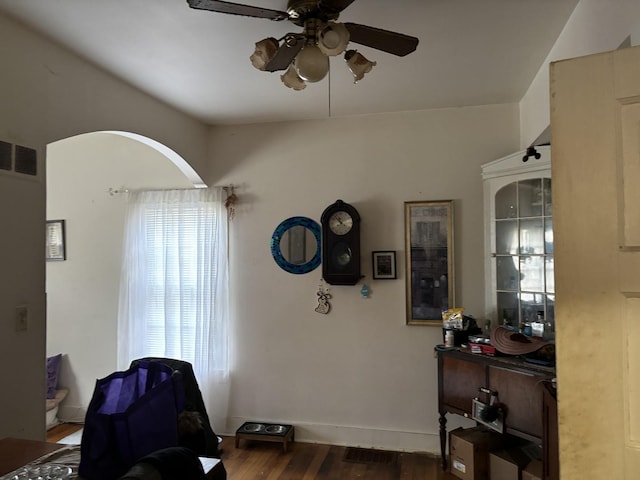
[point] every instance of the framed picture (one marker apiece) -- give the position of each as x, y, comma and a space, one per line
384, 265
55, 248
430, 284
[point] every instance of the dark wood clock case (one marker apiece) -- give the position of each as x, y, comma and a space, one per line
340, 253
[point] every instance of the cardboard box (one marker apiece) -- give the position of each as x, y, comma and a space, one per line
508, 464
469, 451
533, 471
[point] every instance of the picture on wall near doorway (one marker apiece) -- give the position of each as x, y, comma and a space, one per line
55, 241
429, 268
384, 265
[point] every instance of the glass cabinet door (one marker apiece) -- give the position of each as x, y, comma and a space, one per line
519, 287
524, 254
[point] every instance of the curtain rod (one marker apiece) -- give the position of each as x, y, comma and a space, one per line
117, 191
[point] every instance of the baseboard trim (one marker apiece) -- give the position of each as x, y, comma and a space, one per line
306, 432
72, 414
353, 436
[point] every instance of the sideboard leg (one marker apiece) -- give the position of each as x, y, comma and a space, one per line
443, 440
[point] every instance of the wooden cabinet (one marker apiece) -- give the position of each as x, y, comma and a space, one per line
521, 391
460, 380
551, 464
520, 388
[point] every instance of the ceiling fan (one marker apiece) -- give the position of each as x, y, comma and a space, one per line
305, 56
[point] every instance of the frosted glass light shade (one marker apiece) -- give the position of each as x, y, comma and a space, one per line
265, 50
291, 79
358, 64
333, 38
311, 64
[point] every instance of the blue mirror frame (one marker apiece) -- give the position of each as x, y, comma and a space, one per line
280, 230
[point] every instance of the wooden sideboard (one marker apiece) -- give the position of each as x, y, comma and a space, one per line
16, 452
520, 387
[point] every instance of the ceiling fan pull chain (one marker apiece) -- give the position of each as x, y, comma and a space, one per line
329, 100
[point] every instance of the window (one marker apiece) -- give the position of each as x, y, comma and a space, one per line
173, 294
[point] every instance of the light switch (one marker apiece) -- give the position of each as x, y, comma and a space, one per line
22, 318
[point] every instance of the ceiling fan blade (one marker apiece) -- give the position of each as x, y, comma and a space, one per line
286, 53
390, 42
333, 6
238, 9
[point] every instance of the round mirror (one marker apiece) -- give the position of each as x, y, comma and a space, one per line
295, 245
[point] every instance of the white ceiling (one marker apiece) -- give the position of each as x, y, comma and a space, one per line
471, 52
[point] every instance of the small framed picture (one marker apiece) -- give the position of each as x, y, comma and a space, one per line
384, 265
55, 249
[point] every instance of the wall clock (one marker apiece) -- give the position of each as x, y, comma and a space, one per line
340, 244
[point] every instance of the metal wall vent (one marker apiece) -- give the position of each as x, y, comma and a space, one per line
18, 159
5, 156
369, 455
26, 160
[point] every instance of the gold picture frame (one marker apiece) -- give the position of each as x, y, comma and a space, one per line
430, 279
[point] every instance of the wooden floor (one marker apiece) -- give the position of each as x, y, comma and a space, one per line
307, 461
63, 430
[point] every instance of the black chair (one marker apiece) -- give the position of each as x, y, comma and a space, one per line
173, 463
202, 440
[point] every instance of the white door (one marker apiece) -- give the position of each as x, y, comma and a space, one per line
595, 145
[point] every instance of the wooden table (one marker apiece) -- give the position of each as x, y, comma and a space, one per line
518, 384
16, 452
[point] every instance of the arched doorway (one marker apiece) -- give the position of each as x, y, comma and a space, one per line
88, 177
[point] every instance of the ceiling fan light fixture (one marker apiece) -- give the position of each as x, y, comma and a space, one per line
265, 50
333, 38
306, 55
311, 64
291, 79
358, 64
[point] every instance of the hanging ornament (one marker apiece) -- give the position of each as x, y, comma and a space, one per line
323, 299
230, 202
364, 291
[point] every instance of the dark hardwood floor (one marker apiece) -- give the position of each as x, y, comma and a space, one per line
307, 461
62, 430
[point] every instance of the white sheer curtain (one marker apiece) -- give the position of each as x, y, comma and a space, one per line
174, 284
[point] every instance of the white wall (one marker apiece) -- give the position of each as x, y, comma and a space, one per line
48, 94
82, 292
359, 375
362, 351
595, 26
